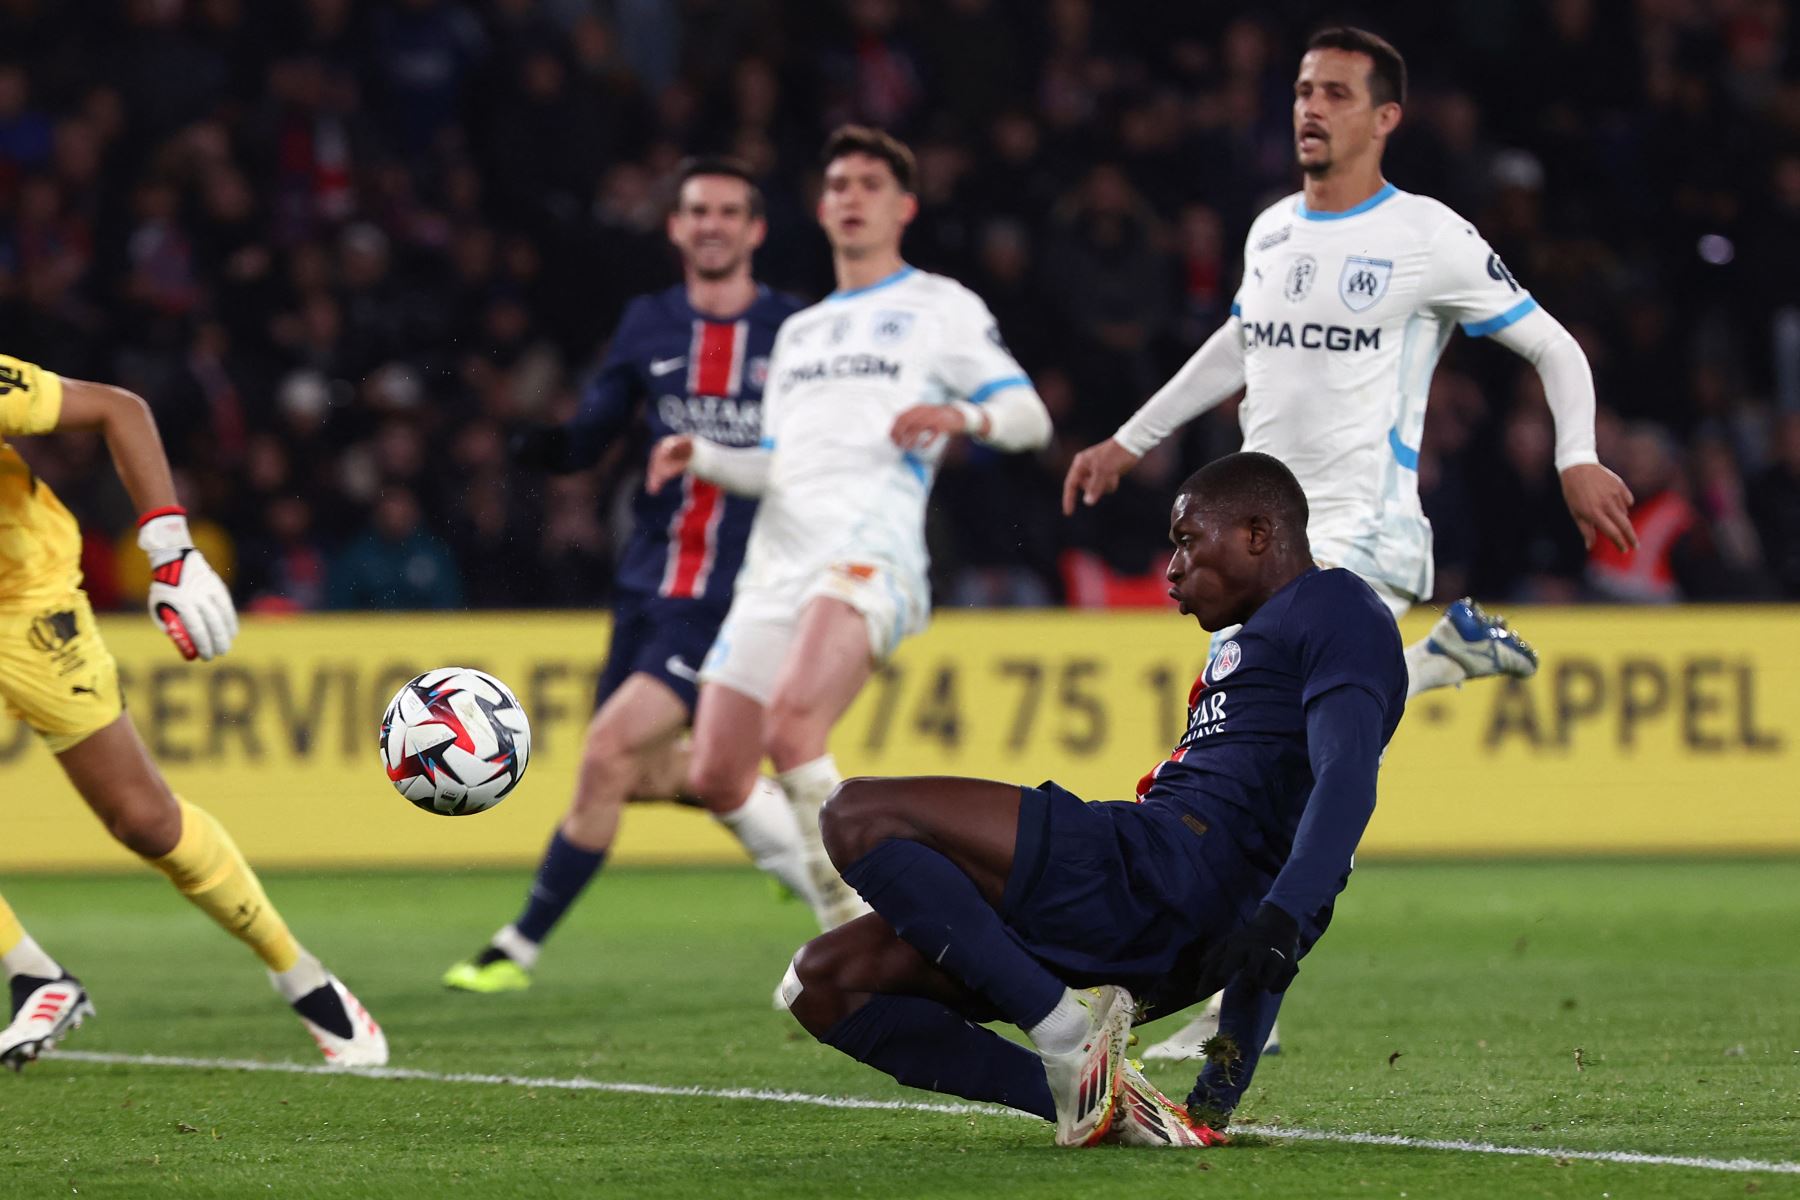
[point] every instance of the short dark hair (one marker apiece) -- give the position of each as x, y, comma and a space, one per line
1250, 484
876, 143
1387, 72
717, 164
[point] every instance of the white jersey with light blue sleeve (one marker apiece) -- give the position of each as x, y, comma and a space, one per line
839, 489
1343, 317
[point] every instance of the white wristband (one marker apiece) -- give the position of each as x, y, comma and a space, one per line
975, 421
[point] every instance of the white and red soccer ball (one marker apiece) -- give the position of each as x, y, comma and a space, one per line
455, 741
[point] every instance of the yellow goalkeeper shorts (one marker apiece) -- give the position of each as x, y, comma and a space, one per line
56, 674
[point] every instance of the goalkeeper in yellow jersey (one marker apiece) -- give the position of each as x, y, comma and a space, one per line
57, 676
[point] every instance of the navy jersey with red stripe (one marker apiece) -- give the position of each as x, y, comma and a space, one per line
686, 373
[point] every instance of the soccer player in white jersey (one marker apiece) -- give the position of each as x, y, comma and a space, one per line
1351, 290
865, 389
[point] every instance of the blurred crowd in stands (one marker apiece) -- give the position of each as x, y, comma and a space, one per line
344, 248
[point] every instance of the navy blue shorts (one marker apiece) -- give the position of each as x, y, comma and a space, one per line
1121, 892
667, 639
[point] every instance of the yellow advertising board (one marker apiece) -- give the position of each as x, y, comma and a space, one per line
1647, 731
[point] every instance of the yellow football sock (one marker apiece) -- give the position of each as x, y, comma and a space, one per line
206, 867
11, 932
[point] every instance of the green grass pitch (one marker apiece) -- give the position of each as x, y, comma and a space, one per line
1448, 1003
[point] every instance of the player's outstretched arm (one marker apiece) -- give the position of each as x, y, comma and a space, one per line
1012, 419
1343, 746
743, 470
1600, 503
126, 423
187, 597
1597, 499
1096, 472
1214, 372
669, 459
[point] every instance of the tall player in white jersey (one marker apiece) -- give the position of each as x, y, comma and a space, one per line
865, 389
1351, 290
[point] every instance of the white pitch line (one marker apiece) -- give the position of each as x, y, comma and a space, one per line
1611, 1156
769, 1095
527, 1081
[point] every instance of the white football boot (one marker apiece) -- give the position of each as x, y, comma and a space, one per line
43, 1010
1190, 1040
1084, 1083
347, 1035
1148, 1118
1481, 645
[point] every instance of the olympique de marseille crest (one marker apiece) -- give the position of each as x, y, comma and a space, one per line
1364, 281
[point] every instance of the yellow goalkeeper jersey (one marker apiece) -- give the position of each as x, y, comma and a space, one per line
40, 545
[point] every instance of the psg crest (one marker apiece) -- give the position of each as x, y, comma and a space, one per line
1226, 660
1364, 281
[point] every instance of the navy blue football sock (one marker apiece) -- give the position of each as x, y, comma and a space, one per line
923, 1044
561, 877
938, 909
1246, 1014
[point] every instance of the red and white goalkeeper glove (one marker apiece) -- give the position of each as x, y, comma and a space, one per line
187, 597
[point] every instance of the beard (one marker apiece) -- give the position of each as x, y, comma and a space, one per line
1316, 168
724, 270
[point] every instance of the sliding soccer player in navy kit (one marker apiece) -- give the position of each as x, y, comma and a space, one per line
1352, 288
692, 360
993, 901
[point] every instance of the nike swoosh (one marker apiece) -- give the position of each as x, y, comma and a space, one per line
662, 366
680, 669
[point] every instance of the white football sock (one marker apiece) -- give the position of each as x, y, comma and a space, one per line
516, 946
764, 824
1063, 1029
28, 958
808, 786
1426, 669
307, 975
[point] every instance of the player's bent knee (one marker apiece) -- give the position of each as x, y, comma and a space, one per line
716, 783
830, 975
809, 989
859, 815
606, 760
148, 825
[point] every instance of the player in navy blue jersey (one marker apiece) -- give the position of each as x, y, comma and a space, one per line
1000, 902
690, 360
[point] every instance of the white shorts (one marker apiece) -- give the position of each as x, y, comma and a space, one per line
753, 643
1394, 559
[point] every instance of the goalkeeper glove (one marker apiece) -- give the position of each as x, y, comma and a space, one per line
540, 447
187, 597
1265, 953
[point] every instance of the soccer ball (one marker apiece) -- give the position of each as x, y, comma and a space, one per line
455, 741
